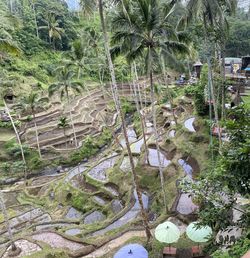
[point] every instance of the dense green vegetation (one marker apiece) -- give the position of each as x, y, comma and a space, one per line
52, 60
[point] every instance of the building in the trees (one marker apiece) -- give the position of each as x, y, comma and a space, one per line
233, 65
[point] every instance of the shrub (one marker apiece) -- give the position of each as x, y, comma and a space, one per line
104, 138
127, 107
190, 90
9, 125
79, 201
89, 147
5, 167
17, 167
35, 162
38, 73
237, 250
14, 150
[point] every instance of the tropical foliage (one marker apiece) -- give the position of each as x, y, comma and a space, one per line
51, 57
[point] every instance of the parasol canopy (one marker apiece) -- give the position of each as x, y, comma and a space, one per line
167, 232
132, 251
199, 235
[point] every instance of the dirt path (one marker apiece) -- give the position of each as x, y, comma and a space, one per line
113, 244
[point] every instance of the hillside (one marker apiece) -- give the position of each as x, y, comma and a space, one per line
124, 122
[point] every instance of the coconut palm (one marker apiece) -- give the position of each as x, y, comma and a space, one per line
118, 107
32, 103
138, 102
78, 56
64, 86
63, 123
140, 30
52, 26
33, 7
88, 6
213, 15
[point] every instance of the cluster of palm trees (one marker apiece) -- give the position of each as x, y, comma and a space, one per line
64, 85
213, 15
142, 31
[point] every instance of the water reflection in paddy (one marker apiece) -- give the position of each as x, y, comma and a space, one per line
189, 124
136, 146
125, 166
99, 171
131, 137
153, 158
171, 134
186, 167
130, 215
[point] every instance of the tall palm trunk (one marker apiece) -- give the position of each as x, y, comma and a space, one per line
37, 136
117, 101
157, 138
50, 40
7, 223
111, 129
35, 19
64, 134
142, 122
18, 140
138, 86
101, 82
223, 74
11, 5
78, 78
145, 93
168, 90
212, 91
71, 119
210, 117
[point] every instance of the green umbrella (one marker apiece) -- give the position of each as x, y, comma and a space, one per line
199, 235
167, 232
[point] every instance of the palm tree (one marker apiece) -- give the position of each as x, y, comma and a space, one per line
64, 85
63, 123
139, 109
52, 26
78, 59
32, 102
118, 107
33, 7
95, 41
170, 97
88, 6
213, 15
141, 29
78, 56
